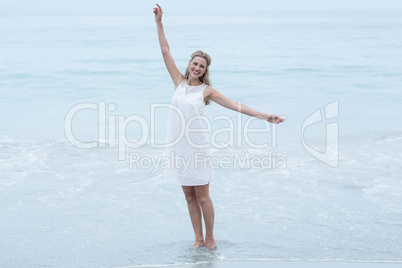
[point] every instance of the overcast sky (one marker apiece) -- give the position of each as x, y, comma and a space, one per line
144, 6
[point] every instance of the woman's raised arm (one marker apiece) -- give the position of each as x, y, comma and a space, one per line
174, 72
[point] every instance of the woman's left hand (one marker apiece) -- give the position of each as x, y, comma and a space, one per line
276, 119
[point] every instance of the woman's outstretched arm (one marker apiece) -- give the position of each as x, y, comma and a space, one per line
174, 72
216, 96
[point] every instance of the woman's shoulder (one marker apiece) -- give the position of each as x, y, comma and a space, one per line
208, 92
209, 89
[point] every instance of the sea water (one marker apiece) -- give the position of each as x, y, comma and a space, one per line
328, 186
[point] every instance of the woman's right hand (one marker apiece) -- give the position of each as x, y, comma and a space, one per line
158, 13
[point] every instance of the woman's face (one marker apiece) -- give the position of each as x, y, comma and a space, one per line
197, 67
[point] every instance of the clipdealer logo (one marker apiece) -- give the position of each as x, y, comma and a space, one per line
112, 134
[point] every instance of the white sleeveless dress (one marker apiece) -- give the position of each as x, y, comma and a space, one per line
187, 141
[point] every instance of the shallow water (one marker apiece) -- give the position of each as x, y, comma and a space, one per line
65, 206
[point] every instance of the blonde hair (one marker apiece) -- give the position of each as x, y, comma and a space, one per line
205, 77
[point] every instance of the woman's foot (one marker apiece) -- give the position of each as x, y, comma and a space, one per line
199, 243
210, 243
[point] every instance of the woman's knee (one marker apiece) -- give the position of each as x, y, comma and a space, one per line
190, 197
189, 193
202, 198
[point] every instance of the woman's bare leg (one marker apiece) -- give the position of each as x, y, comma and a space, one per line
202, 194
195, 214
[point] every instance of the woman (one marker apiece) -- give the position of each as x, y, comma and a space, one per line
192, 93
